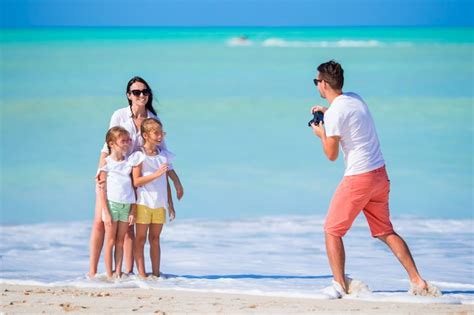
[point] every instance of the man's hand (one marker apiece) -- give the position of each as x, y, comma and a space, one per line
318, 108
319, 129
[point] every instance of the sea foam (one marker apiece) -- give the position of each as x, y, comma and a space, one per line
287, 43
279, 42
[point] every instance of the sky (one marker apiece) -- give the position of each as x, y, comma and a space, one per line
57, 13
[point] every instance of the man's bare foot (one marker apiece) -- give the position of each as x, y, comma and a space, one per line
424, 288
343, 285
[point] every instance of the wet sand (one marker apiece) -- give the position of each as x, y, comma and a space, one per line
17, 299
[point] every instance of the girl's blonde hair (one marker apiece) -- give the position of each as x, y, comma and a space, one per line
113, 134
147, 125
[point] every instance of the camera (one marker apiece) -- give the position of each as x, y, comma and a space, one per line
318, 117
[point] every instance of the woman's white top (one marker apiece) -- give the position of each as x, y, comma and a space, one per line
154, 194
123, 117
119, 181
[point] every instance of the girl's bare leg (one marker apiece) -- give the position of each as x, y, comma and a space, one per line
155, 248
121, 231
138, 248
128, 249
110, 235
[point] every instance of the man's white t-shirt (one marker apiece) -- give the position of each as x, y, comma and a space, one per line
154, 194
349, 118
119, 181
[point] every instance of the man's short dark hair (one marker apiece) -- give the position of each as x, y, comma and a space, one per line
332, 73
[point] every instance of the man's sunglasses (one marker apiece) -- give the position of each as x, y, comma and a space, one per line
317, 81
145, 92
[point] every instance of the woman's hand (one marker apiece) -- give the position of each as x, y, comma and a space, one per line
179, 190
171, 212
177, 183
100, 183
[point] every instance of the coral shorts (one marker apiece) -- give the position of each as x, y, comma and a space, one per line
147, 215
367, 192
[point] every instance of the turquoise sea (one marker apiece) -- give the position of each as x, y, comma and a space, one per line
236, 115
257, 184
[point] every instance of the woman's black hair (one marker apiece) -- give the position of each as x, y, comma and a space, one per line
149, 104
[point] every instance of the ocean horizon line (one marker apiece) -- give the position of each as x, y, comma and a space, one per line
237, 27
290, 36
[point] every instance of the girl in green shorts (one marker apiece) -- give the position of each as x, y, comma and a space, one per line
117, 197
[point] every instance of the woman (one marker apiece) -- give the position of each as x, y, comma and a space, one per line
140, 99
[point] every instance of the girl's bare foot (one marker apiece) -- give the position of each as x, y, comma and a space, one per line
142, 276
90, 276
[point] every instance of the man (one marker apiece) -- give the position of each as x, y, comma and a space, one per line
365, 185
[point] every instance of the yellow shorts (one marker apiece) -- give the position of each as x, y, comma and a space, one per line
147, 215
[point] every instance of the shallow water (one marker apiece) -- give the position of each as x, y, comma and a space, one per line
278, 255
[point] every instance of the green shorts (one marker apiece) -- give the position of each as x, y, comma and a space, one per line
118, 211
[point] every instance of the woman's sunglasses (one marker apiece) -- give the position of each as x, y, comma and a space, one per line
145, 92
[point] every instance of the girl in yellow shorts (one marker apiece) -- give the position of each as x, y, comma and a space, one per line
153, 194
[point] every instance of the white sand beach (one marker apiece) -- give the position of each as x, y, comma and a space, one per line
18, 299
